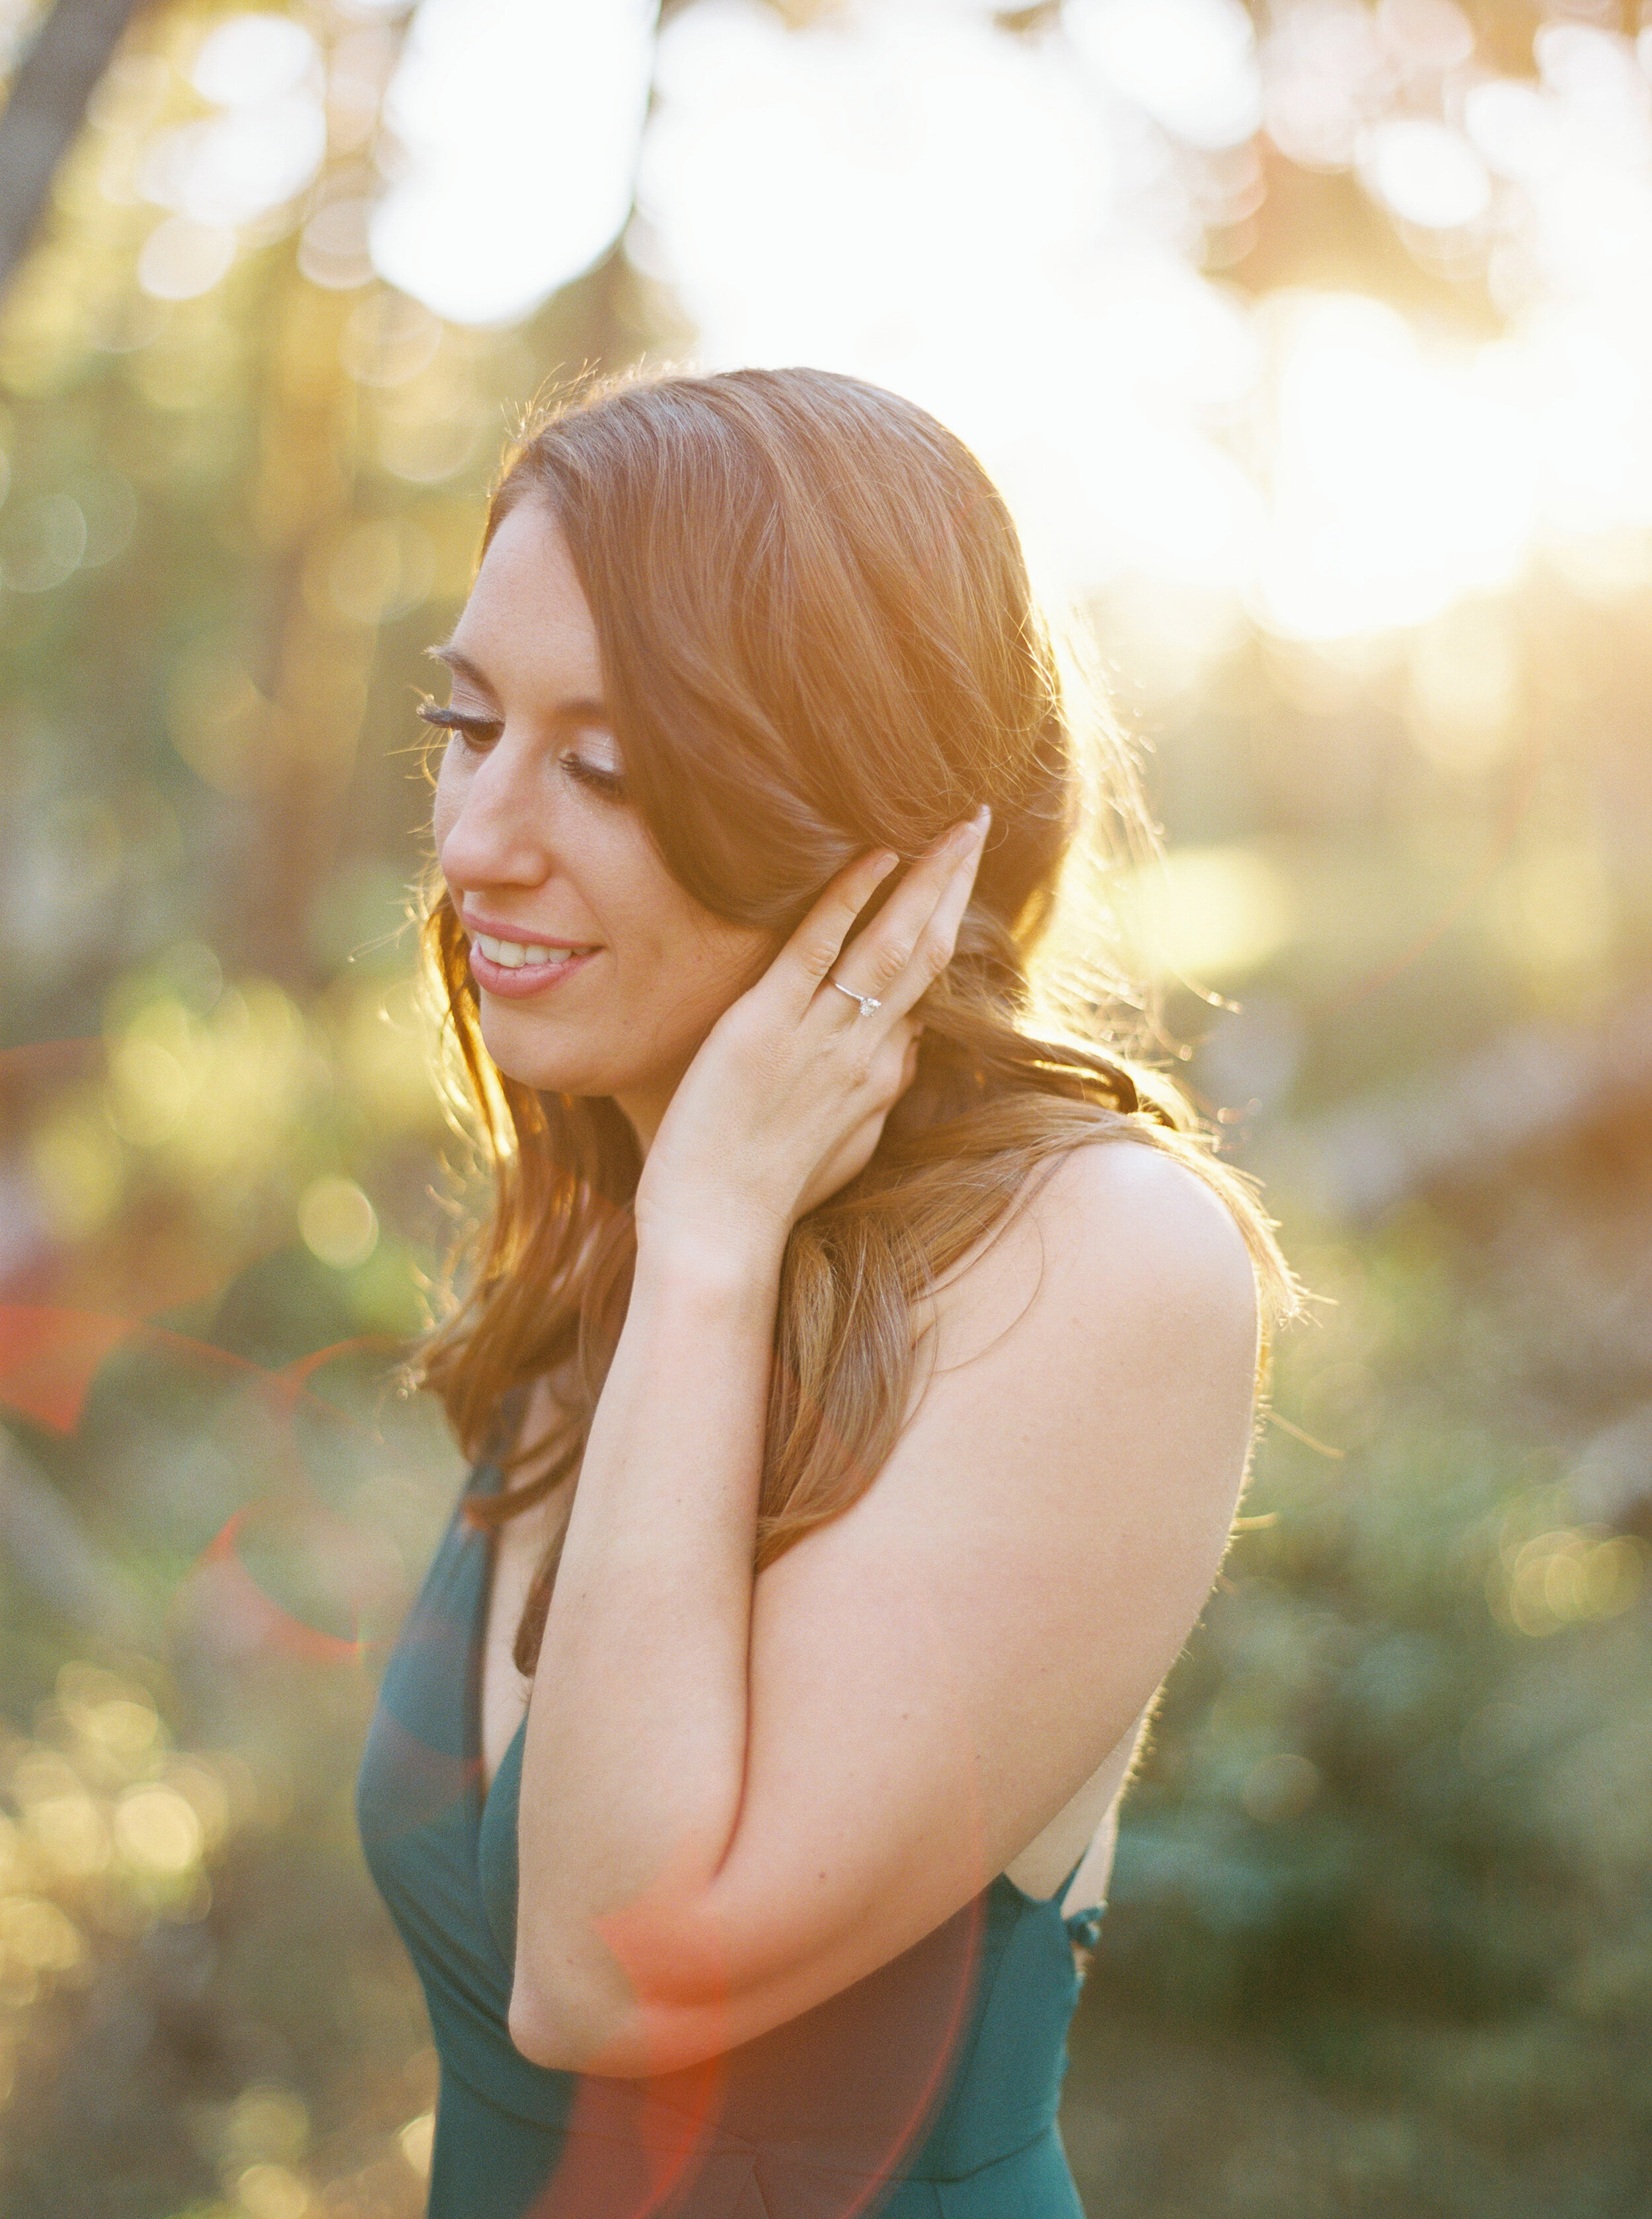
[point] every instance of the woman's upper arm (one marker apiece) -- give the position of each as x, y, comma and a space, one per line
934, 1674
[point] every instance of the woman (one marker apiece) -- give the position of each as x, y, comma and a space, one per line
856, 1439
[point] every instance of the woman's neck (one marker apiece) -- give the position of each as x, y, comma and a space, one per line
642, 1111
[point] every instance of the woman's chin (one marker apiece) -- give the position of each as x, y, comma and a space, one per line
521, 1052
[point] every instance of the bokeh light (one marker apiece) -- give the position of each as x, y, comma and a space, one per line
1313, 344
337, 1222
882, 265
520, 169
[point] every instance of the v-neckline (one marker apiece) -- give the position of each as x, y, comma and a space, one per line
479, 1536
482, 1783
512, 1411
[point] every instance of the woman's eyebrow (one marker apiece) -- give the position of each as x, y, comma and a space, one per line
582, 709
459, 664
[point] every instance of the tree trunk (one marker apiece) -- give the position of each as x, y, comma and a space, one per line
49, 92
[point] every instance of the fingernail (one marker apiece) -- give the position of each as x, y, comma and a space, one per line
885, 864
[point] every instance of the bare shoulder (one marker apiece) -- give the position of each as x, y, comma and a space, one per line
1118, 1234
1128, 1206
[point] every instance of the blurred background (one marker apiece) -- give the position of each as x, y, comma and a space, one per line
1313, 344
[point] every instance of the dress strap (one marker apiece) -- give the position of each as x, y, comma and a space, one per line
1061, 1892
1083, 1926
484, 1475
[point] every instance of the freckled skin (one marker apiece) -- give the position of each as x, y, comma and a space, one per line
523, 842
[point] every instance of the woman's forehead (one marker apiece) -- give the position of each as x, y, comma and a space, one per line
527, 623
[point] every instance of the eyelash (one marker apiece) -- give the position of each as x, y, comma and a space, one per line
480, 732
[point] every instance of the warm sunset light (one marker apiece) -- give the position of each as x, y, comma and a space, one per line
1339, 469
1310, 343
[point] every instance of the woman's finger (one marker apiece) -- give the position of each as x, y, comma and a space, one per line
815, 945
905, 949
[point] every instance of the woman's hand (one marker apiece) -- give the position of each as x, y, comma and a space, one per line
785, 1099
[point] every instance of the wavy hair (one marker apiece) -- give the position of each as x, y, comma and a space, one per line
818, 635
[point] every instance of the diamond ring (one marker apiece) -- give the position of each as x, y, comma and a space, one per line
868, 1001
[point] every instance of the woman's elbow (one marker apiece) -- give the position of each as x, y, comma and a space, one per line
597, 2035
561, 2029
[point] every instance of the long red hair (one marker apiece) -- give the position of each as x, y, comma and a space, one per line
818, 635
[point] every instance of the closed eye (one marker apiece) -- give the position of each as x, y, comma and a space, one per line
609, 783
474, 731
481, 732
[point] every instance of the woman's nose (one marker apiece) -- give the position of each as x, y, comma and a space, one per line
498, 833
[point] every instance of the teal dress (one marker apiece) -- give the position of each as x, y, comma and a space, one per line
927, 2091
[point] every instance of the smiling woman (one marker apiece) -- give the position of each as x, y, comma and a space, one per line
857, 1364
554, 880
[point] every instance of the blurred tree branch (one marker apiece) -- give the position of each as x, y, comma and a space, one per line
54, 82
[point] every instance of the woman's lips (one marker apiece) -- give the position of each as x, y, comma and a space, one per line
515, 981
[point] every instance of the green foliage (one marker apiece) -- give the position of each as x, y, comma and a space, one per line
1379, 1940
1395, 1828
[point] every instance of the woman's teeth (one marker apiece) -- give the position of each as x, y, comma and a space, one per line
513, 955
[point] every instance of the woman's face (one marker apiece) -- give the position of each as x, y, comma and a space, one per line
546, 859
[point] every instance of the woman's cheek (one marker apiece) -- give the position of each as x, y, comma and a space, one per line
444, 810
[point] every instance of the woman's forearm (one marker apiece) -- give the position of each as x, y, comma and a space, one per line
638, 1727
634, 1763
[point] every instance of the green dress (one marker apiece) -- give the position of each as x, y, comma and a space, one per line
927, 2091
